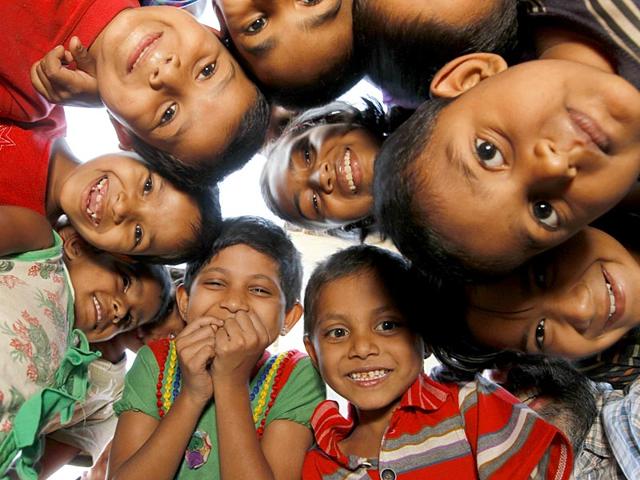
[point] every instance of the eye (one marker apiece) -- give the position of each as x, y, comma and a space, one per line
126, 282
306, 155
539, 276
214, 283
387, 325
168, 114
337, 332
539, 335
488, 154
207, 71
256, 26
316, 203
310, 3
148, 185
261, 291
137, 235
545, 214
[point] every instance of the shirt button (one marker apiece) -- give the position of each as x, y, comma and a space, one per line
388, 474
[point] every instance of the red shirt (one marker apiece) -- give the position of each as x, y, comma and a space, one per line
445, 431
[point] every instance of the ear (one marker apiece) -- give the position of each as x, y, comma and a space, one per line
182, 300
73, 244
463, 73
124, 136
311, 350
292, 317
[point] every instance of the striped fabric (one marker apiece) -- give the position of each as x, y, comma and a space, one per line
445, 431
614, 24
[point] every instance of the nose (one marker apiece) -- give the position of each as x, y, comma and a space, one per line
234, 302
120, 208
322, 178
577, 308
362, 346
552, 163
166, 72
120, 309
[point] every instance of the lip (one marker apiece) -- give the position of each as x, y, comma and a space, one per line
99, 312
142, 50
591, 129
619, 296
93, 200
348, 168
371, 382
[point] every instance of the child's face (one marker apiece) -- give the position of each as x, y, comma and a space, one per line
117, 204
459, 13
529, 156
573, 301
171, 81
237, 279
324, 175
289, 43
111, 296
361, 343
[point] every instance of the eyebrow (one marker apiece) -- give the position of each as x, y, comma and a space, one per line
262, 48
319, 20
459, 160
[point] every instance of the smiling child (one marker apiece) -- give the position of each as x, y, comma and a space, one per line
360, 303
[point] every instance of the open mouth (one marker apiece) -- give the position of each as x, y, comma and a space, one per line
96, 200
369, 377
591, 128
349, 174
98, 310
615, 298
142, 50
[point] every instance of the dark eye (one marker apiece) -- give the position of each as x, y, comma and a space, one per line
126, 282
539, 335
306, 155
387, 325
148, 185
488, 154
545, 214
207, 71
310, 3
137, 235
168, 114
337, 333
539, 276
257, 25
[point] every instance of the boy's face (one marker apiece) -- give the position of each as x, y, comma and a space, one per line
170, 80
459, 13
238, 279
361, 344
521, 161
117, 204
324, 175
289, 43
111, 296
573, 301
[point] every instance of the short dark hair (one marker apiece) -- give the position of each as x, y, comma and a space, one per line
203, 232
399, 279
402, 57
370, 117
161, 274
396, 183
263, 236
246, 140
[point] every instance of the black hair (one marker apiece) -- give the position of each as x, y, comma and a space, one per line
203, 232
401, 282
396, 183
402, 57
263, 236
370, 117
245, 141
160, 274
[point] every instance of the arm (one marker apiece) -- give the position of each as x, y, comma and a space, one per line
145, 447
238, 346
56, 455
24, 230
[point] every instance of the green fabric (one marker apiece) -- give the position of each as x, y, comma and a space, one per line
70, 387
296, 402
41, 255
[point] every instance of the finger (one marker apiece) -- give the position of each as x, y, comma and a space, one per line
196, 336
261, 329
189, 356
52, 61
84, 60
43, 84
199, 323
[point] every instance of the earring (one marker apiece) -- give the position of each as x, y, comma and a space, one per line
284, 331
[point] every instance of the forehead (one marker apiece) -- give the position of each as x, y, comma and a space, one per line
354, 295
171, 220
241, 260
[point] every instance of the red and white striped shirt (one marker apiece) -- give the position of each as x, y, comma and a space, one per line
445, 431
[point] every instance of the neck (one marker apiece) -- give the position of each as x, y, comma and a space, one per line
61, 163
560, 44
366, 438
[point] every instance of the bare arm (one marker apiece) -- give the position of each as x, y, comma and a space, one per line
56, 455
242, 455
144, 447
23, 230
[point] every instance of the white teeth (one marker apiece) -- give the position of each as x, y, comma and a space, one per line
365, 376
98, 309
347, 170
612, 300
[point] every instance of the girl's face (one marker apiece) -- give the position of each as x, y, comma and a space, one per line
118, 205
574, 301
323, 176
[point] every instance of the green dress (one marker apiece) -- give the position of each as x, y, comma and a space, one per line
297, 397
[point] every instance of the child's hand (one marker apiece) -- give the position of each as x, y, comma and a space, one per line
52, 78
239, 345
196, 348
